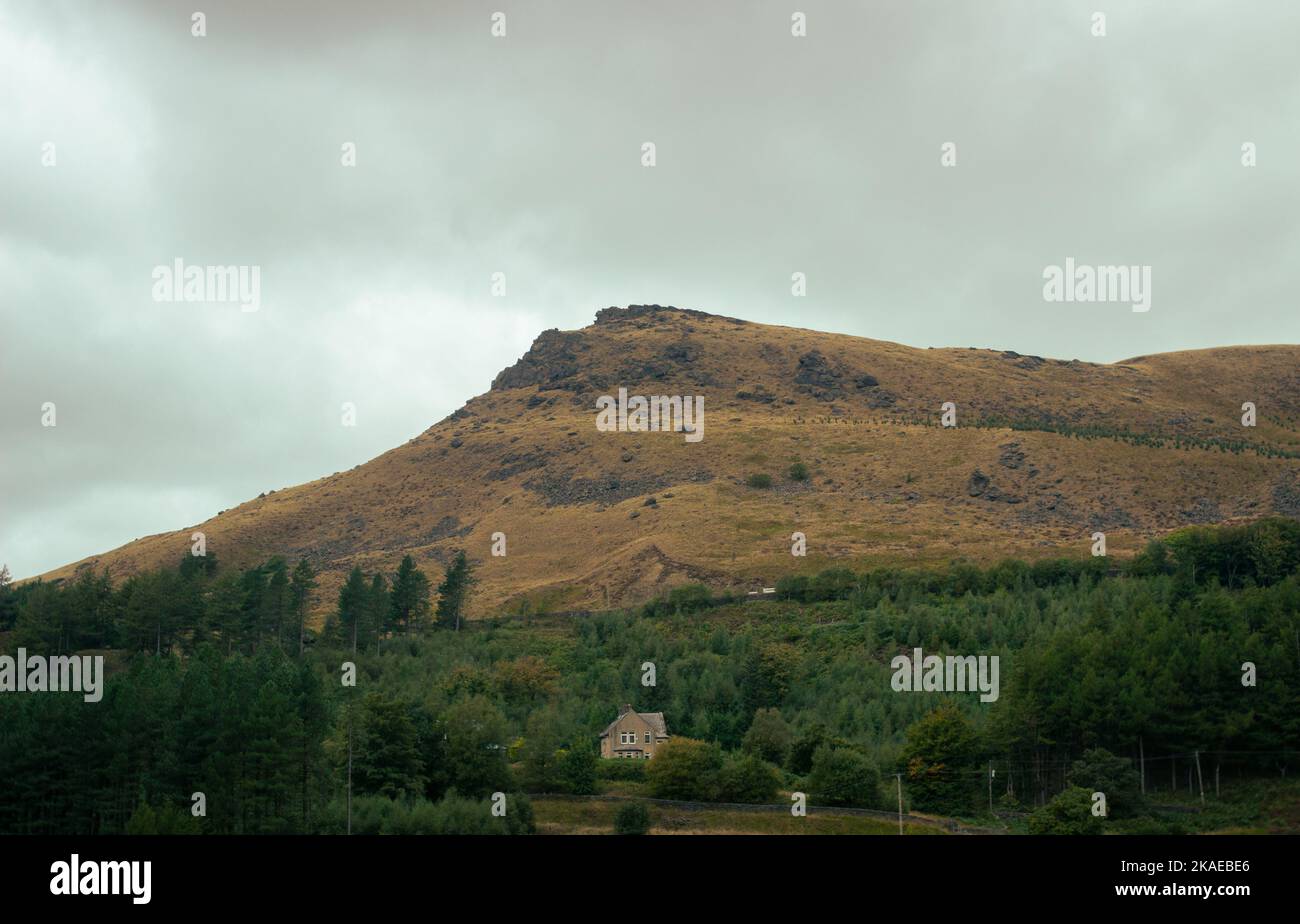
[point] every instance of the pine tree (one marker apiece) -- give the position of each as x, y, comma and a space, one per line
387, 759
377, 607
352, 605
454, 591
301, 585
8, 604
410, 597
276, 601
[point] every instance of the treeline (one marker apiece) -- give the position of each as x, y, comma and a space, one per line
245, 611
1186, 653
261, 744
1255, 554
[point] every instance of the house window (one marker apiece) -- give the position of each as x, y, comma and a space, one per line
647, 737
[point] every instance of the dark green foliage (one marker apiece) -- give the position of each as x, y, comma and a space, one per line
746, 778
1069, 812
213, 687
376, 608
244, 731
632, 818
1101, 771
688, 598
760, 480
453, 814
410, 597
542, 766
578, 768
769, 737
454, 591
8, 600
619, 769
476, 748
386, 755
766, 678
798, 472
684, 768
939, 760
169, 820
354, 600
844, 777
804, 747
301, 586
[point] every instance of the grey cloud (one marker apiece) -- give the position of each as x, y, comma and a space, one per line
521, 154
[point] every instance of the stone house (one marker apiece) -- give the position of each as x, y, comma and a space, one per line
633, 734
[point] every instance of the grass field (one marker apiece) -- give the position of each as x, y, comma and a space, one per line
596, 816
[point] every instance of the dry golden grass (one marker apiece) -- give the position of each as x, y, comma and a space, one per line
885, 489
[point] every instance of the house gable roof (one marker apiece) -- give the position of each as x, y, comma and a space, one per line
654, 719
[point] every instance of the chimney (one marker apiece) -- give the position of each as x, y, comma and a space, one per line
627, 707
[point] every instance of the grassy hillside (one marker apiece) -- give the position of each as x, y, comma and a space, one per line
1046, 452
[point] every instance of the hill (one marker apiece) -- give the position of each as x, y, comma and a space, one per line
1045, 452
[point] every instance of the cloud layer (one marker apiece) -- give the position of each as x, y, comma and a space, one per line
521, 155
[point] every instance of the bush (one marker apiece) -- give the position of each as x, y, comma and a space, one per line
684, 768
768, 737
1069, 812
168, 820
453, 814
792, 587
619, 769
843, 777
940, 748
759, 480
1101, 771
689, 597
632, 818
579, 767
798, 472
746, 778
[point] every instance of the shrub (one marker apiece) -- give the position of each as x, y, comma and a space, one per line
768, 737
1069, 812
1101, 771
798, 472
689, 597
843, 777
453, 814
578, 768
759, 480
684, 768
940, 748
632, 818
792, 587
746, 778
620, 769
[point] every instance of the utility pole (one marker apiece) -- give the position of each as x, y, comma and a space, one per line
1200, 782
990, 787
898, 778
1142, 762
349, 769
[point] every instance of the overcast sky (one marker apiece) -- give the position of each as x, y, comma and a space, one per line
522, 154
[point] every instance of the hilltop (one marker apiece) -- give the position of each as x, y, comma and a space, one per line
1046, 452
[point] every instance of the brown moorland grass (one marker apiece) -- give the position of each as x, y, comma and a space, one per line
1062, 448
